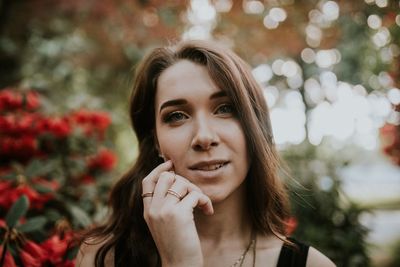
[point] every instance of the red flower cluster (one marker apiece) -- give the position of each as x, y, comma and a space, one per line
56, 247
52, 251
105, 160
92, 122
10, 192
12, 100
63, 144
59, 127
21, 130
33, 255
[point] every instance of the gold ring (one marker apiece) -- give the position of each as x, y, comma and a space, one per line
175, 194
148, 194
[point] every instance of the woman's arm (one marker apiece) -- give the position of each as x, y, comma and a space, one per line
317, 259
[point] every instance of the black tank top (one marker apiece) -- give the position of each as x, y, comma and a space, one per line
288, 257
293, 256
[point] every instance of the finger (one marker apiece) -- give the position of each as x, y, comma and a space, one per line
165, 181
195, 199
151, 179
190, 186
177, 191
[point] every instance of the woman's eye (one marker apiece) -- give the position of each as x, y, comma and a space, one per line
225, 109
174, 117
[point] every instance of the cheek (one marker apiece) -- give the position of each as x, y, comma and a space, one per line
239, 145
238, 139
172, 144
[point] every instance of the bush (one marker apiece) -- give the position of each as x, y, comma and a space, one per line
55, 177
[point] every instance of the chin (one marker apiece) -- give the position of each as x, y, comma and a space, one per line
216, 196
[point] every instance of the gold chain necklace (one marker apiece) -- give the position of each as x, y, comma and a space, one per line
240, 260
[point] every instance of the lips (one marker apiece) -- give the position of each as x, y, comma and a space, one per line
209, 165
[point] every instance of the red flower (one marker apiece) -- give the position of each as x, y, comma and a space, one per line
101, 120
32, 100
28, 260
87, 179
67, 263
59, 127
21, 124
291, 225
5, 187
105, 160
18, 148
10, 99
56, 248
92, 122
9, 194
9, 260
6, 124
26, 123
33, 250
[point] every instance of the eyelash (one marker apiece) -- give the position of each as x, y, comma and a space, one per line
173, 116
232, 109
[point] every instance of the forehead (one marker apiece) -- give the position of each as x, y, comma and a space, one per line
184, 79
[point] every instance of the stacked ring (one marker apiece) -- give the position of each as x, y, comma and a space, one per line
175, 194
148, 194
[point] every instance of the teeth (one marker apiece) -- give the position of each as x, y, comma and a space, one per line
211, 167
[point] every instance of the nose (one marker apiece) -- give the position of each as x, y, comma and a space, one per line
205, 136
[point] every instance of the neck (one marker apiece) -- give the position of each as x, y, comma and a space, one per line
230, 221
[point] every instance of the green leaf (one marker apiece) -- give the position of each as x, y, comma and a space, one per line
33, 169
18, 210
71, 253
80, 216
33, 224
40, 167
42, 189
9, 176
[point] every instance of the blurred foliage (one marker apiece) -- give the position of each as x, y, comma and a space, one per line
395, 252
327, 219
80, 54
55, 179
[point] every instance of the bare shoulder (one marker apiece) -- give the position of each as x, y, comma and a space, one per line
87, 253
317, 259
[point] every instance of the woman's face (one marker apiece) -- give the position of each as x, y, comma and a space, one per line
197, 128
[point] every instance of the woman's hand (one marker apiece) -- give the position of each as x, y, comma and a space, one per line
169, 200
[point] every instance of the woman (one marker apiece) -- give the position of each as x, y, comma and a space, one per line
204, 190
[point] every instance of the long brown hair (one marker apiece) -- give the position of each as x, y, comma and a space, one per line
126, 231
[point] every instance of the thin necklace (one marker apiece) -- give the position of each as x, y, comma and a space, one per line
243, 256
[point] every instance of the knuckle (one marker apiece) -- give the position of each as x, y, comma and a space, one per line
166, 175
182, 179
196, 194
152, 214
145, 181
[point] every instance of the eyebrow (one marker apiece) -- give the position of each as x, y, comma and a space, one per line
181, 101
